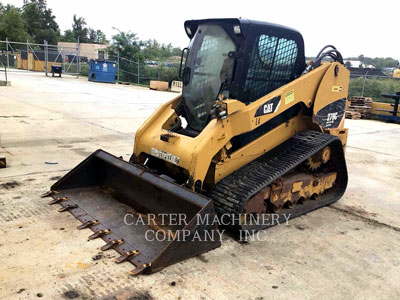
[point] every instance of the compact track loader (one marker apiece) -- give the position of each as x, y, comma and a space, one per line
256, 132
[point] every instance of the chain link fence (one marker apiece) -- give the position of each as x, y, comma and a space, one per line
373, 83
20, 56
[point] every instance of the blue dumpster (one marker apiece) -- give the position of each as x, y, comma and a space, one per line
101, 70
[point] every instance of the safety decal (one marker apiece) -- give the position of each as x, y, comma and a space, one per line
337, 88
289, 97
268, 107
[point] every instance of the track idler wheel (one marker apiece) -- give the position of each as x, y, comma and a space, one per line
322, 157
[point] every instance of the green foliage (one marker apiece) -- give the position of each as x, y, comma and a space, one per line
40, 22
133, 51
163, 73
2, 11
32, 18
79, 29
12, 26
84, 70
167, 58
36, 22
96, 36
152, 50
127, 44
377, 62
374, 88
68, 36
85, 34
387, 62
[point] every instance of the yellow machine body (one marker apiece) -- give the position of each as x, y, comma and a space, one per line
204, 157
264, 137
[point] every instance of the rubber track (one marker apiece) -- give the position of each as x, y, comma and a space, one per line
232, 192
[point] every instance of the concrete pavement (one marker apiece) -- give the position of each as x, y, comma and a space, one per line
48, 125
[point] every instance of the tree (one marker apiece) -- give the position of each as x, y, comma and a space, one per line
85, 34
387, 62
33, 19
79, 29
12, 26
41, 4
152, 50
377, 62
40, 22
97, 36
50, 21
2, 11
68, 36
127, 44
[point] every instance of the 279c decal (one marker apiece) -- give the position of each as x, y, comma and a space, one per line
331, 115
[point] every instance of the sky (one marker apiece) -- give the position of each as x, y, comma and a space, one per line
354, 27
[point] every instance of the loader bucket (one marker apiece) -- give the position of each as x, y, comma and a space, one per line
150, 221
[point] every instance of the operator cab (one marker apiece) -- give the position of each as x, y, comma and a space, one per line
238, 58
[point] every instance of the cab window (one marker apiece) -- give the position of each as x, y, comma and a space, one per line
272, 65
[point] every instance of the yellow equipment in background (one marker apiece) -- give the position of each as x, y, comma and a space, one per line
396, 73
256, 133
35, 62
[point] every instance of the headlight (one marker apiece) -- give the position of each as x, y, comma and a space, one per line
236, 29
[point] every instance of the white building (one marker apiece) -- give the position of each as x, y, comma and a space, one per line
357, 64
91, 51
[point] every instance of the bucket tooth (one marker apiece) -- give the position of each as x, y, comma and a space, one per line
67, 207
139, 270
125, 256
49, 194
87, 224
111, 243
125, 198
57, 200
99, 233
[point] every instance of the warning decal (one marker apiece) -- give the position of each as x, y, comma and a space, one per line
337, 88
289, 97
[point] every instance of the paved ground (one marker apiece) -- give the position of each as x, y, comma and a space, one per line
347, 251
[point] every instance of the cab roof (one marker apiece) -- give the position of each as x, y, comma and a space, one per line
245, 25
